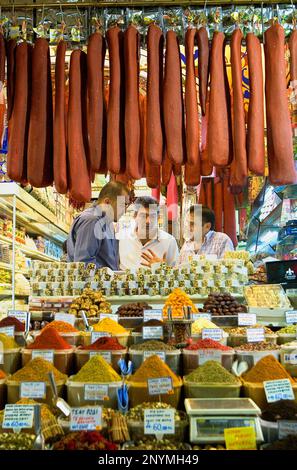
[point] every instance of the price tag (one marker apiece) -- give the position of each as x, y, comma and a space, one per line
7, 330
154, 314
152, 332
196, 316
247, 319
159, 421
86, 418
109, 315
18, 416
286, 427
105, 354
66, 317
161, 354
291, 317
209, 355
99, 334
240, 438
255, 335
95, 392
19, 315
33, 390
213, 333
160, 386
47, 355
290, 358
278, 390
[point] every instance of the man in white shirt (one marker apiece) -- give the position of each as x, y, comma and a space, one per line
146, 243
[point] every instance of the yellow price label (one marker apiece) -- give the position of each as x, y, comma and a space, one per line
240, 438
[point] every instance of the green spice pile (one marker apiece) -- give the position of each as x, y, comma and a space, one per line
211, 372
261, 346
152, 345
288, 330
96, 370
21, 441
282, 409
137, 413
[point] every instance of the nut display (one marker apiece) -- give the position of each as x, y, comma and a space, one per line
260, 346
137, 413
133, 309
21, 441
92, 303
241, 330
223, 304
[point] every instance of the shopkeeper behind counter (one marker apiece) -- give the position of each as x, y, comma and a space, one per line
92, 235
201, 237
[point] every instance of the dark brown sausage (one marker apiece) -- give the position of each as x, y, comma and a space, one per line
116, 105
218, 205
40, 140
167, 169
293, 55
229, 213
279, 131
10, 52
152, 172
191, 104
96, 109
206, 167
134, 161
60, 153
203, 66
238, 177
155, 124
192, 176
19, 122
79, 176
219, 125
255, 128
173, 100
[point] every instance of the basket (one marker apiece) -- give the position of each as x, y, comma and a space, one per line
63, 360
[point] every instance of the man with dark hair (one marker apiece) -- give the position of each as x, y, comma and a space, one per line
201, 237
146, 244
92, 235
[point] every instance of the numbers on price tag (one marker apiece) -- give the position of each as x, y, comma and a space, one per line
291, 317
18, 416
158, 421
278, 390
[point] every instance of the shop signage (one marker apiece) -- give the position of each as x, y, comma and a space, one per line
105, 354
159, 421
87, 418
240, 438
19, 315
291, 317
213, 333
153, 314
160, 386
7, 330
255, 335
47, 355
152, 332
96, 392
66, 317
18, 416
285, 428
98, 334
247, 319
161, 354
33, 390
278, 390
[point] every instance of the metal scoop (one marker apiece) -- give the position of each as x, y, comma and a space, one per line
84, 317
57, 401
39, 441
27, 335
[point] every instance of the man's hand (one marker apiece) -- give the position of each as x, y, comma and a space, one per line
150, 258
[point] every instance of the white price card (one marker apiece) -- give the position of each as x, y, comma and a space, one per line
99, 334
48, 355
247, 319
290, 358
7, 330
158, 421
209, 355
19, 315
291, 317
33, 390
153, 314
160, 354
278, 390
95, 392
213, 333
105, 354
66, 317
86, 418
113, 317
196, 316
285, 428
18, 416
255, 335
152, 332
160, 386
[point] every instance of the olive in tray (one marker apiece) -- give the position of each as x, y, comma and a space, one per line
219, 304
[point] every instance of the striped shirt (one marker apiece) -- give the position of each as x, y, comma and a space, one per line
215, 243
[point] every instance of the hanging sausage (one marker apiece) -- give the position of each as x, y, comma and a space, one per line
203, 66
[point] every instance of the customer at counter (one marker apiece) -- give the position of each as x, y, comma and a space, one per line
146, 244
202, 238
92, 235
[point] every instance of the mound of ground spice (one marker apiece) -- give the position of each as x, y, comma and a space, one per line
152, 368
104, 344
37, 371
12, 321
207, 343
2, 374
96, 370
8, 342
268, 368
211, 372
61, 326
49, 339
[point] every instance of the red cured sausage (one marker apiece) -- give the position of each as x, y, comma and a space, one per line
79, 176
229, 213
218, 205
116, 104
255, 129
167, 168
203, 66
10, 52
208, 190
293, 55
152, 172
60, 152
219, 124
96, 109
239, 170
206, 165
155, 124
2, 60
173, 101
192, 176
134, 161
19, 122
40, 140
191, 104
279, 131
202, 194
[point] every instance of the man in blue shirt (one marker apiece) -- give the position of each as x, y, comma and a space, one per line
92, 236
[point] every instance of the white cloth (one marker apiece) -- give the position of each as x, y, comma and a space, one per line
131, 249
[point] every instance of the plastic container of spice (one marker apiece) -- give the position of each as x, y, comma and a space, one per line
14, 390
238, 340
136, 429
122, 339
216, 390
284, 338
130, 322
73, 338
82, 356
222, 341
11, 360
138, 393
252, 357
172, 359
256, 392
2, 393
63, 360
191, 358
137, 338
288, 358
77, 394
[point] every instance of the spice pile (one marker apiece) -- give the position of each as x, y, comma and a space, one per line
260, 346
84, 440
12, 321
133, 310
49, 338
282, 409
152, 368
96, 370
21, 441
104, 344
91, 302
200, 324
152, 345
223, 304
37, 371
207, 343
211, 372
8, 342
110, 326
2, 374
61, 327
176, 301
137, 413
268, 368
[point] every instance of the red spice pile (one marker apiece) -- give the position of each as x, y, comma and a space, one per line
207, 344
49, 339
105, 344
2, 374
12, 321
